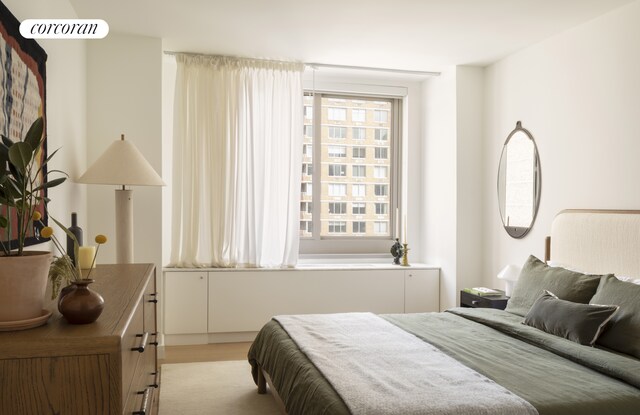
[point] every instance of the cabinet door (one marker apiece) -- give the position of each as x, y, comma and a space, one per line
421, 290
185, 302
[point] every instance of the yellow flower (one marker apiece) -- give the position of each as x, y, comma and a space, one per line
101, 239
46, 232
36, 216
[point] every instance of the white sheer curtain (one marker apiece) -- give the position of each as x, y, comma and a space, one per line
237, 162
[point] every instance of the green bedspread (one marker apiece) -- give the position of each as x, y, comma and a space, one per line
556, 376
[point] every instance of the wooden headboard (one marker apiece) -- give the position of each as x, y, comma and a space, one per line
597, 241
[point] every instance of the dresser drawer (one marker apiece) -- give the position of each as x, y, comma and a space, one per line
131, 339
476, 301
143, 385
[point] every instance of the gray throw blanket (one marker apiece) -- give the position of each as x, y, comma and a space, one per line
378, 368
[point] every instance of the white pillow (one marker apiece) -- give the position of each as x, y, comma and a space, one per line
621, 278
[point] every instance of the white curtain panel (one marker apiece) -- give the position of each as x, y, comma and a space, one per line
237, 162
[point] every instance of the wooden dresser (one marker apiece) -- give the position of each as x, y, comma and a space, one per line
108, 367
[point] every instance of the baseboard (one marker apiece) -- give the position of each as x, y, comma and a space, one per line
207, 338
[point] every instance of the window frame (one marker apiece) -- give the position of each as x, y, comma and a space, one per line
335, 243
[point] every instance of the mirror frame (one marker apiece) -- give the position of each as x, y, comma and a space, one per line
519, 232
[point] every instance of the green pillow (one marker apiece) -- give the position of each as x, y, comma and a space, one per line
536, 276
581, 323
623, 333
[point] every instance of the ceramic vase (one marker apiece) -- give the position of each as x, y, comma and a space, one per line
23, 281
81, 305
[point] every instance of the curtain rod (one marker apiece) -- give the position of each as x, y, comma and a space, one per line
316, 65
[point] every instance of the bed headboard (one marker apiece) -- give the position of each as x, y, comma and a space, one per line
597, 241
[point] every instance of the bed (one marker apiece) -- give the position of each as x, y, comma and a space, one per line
481, 361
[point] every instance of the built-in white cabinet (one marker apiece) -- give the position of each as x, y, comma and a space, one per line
218, 305
185, 302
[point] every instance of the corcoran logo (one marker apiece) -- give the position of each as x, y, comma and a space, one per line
64, 28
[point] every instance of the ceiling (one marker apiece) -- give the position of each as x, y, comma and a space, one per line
404, 34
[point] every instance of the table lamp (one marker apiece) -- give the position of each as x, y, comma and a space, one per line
122, 164
509, 275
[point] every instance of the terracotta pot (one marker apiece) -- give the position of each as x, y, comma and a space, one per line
23, 281
81, 305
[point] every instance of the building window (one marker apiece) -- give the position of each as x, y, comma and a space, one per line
354, 177
338, 208
306, 227
337, 226
359, 171
359, 208
359, 152
308, 112
381, 134
338, 132
358, 190
380, 172
382, 208
381, 190
359, 227
307, 189
380, 227
381, 153
336, 114
337, 151
337, 189
380, 116
337, 170
358, 115
359, 133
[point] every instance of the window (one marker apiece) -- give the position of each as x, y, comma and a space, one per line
338, 132
352, 187
308, 130
306, 227
359, 152
338, 208
381, 190
359, 208
336, 226
307, 150
380, 115
308, 112
381, 134
359, 133
359, 171
380, 172
307, 189
359, 227
338, 170
337, 189
337, 151
358, 190
382, 208
380, 227
380, 153
358, 115
336, 114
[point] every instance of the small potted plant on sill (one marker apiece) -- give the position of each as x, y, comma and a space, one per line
23, 181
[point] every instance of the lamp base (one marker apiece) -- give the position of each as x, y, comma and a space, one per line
124, 226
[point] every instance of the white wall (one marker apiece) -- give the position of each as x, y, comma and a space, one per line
66, 106
124, 96
577, 93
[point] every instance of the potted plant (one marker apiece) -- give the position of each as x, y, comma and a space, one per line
23, 181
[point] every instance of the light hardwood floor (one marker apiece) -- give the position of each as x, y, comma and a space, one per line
205, 353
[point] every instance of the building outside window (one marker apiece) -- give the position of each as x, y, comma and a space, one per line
358, 172
308, 112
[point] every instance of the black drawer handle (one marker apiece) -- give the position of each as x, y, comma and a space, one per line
145, 402
155, 380
154, 343
143, 342
153, 301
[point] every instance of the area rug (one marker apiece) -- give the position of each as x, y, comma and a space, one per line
224, 388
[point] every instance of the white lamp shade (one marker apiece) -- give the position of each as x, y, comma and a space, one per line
509, 273
121, 164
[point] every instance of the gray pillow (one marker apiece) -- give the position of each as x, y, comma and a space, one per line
581, 323
623, 334
536, 276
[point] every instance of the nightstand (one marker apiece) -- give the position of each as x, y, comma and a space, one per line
476, 301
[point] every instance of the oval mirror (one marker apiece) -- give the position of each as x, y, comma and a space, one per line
519, 182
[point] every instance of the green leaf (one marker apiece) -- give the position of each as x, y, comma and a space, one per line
6, 141
20, 155
4, 222
70, 235
50, 184
34, 135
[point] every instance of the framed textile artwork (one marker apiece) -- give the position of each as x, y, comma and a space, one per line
22, 97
